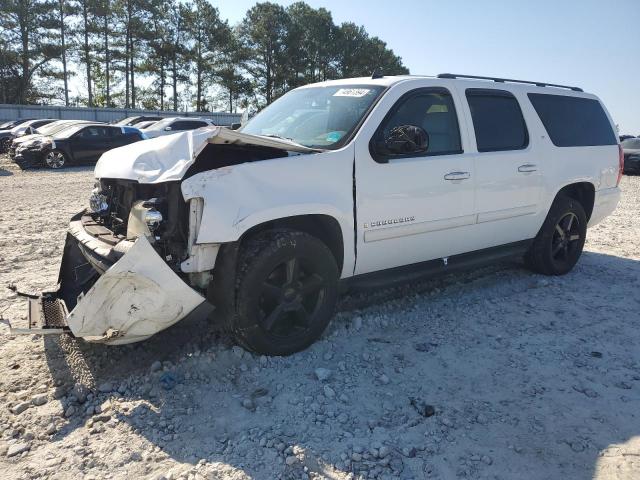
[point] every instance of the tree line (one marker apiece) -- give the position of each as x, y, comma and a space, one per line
171, 54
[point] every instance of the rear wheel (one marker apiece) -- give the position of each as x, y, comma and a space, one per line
558, 246
286, 292
55, 159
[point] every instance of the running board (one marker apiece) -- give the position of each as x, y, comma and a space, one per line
47, 315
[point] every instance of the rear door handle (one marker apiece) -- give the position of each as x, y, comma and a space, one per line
452, 176
528, 168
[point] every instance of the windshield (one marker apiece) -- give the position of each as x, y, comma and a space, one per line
317, 117
52, 127
631, 143
161, 124
125, 121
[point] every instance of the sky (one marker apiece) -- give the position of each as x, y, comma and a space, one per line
592, 44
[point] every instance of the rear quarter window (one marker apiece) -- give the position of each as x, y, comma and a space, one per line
573, 121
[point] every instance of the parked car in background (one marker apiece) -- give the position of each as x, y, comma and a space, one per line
631, 151
13, 123
7, 136
79, 144
130, 121
145, 124
48, 129
170, 125
30, 127
625, 137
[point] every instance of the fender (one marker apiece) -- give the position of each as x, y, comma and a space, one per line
320, 184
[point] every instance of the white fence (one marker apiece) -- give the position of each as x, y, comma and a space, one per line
11, 112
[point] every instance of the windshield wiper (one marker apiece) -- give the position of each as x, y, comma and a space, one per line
272, 135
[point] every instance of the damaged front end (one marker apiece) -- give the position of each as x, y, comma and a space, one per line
137, 261
119, 280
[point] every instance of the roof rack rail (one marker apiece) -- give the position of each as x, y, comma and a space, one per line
502, 80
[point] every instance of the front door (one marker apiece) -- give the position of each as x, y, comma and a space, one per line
89, 143
413, 203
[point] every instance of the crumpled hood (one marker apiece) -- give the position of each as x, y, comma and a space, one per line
167, 158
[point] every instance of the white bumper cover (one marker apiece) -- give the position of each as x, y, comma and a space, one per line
606, 201
134, 299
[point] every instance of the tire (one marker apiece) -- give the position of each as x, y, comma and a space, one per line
286, 292
559, 243
55, 159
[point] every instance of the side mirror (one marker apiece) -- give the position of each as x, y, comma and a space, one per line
406, 139
235, 126
167, 129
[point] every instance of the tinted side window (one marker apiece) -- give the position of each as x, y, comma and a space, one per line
573, 121
94, 133
431, 109
184, 125
497, 120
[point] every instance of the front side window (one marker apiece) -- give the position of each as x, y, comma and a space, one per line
425, 111
573, 121
497, 120
317, 117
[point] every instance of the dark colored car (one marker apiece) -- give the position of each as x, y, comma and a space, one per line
76, 145
631, 149
47, 130
129, 121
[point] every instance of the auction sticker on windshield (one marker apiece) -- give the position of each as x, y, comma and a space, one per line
352, 92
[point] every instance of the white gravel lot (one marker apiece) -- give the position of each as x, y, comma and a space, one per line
527, 377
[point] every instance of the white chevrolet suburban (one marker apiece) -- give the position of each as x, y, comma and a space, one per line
364, 180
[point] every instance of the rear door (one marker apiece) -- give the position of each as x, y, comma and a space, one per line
118, 137
417, 206
509, 170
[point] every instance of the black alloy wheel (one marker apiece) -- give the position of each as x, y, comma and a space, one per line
559, 243
286, 291
291, 295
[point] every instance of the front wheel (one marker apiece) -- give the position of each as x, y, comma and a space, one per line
286, 291
558, 246
55, 159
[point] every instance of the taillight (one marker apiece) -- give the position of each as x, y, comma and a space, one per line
621, 164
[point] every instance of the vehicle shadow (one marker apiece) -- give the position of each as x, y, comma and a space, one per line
540, 376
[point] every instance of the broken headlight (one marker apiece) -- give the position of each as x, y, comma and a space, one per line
152, 218
144, 218
98, 202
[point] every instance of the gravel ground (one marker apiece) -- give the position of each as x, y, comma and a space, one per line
497, 373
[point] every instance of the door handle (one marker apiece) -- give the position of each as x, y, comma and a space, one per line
528, 168
452, 176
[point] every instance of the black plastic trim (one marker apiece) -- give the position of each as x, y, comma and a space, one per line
503, 80
435, 267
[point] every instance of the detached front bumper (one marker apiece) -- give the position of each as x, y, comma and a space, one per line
110, 290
